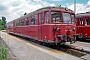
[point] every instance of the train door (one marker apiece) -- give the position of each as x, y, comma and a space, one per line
40, 18
81, 24
77, 25
13, 26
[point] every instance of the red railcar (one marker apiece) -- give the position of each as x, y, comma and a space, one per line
83, 25
48, 25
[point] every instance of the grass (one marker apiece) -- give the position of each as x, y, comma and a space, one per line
3, 51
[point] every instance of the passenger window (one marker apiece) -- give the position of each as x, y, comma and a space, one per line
26, 21
22, 23
18, 24
10, 24
47, 18
42, 17
33, 20
81, 21
73, 19
87, 21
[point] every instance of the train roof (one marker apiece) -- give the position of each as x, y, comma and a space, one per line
55, 7
52, 8
86, 14
46, 8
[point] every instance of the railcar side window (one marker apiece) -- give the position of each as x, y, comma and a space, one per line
66, 18
47, 18
22, 23
33, 20
18, 24
56, 17
10, 24
73, 19
87, 21
26, 21
81, 21
41, 16
7, 25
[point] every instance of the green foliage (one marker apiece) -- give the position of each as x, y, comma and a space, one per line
0, 24
3, 18
3, 23
3, 53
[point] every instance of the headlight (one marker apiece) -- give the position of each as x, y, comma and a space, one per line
74, 29
58, 29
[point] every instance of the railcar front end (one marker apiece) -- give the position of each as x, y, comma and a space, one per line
61, 28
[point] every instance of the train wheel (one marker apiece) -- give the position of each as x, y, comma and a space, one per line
63, 42
77, 38
74, 39
43, 43
71, 40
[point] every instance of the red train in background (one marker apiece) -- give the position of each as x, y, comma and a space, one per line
83, 25
47, 25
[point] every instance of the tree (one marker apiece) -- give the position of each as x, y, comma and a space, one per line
3, 23
4, 20
0, 24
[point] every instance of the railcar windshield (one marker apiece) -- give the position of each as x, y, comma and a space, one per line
56, 17
66, 17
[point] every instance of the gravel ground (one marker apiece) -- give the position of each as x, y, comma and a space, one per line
11, 56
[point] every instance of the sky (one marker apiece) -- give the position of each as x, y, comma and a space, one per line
12, 9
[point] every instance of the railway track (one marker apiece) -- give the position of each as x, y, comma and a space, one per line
55, 48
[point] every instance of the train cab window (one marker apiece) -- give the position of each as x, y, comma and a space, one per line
56, 17
33, 20
73, 19
22, 22
18, 24
47, 18
66, 17
26, 21
87, 21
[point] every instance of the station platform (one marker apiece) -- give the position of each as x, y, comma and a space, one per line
27, 51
